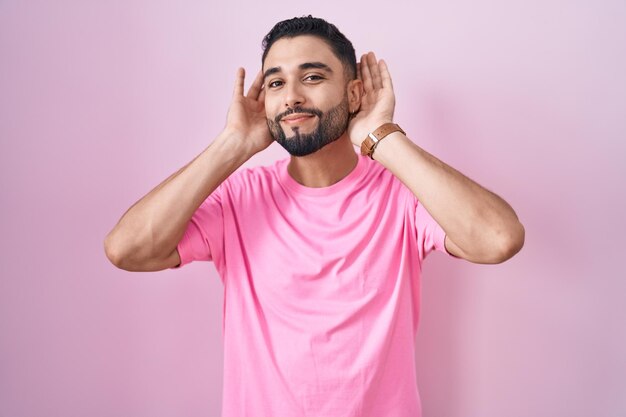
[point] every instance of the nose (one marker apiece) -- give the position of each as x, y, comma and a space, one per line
293, 95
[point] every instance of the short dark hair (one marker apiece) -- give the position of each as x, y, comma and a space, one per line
309, 25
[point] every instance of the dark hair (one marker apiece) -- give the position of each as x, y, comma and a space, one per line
309, 25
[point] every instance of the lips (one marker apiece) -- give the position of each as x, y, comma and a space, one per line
295, 118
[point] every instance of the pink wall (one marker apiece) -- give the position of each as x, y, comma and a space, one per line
100, 101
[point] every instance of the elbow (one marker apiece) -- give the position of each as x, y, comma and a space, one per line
511, 242
111, 252
119, 253
132, 257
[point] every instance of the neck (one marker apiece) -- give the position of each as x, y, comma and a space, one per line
325, 167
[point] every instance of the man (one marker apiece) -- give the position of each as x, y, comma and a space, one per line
320, 254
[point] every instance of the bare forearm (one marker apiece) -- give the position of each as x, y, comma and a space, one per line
481, 223
153, 226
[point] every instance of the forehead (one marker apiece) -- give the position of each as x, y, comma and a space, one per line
288, 53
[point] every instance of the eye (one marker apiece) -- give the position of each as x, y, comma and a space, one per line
313, 77
273, 84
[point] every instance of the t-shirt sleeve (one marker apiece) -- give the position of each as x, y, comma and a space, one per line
430, 236
203, 239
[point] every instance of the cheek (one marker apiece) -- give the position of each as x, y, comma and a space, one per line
332, 98
271, 110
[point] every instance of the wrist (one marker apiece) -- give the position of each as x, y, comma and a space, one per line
375, 125
235, 144
373, 138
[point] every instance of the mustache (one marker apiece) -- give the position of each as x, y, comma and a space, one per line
294, 110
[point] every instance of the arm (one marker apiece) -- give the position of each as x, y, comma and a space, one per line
146, 237
480, 226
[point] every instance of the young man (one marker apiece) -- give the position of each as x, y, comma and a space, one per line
320, 254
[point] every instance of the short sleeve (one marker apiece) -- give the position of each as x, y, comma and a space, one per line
203, 239
430, 236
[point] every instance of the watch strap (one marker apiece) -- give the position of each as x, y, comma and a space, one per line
373, 138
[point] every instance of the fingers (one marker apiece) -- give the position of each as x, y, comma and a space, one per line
370, 72
238, 90
374, 74
374, 70
367, 76
358, 71
385, 75
372, 63
256, 87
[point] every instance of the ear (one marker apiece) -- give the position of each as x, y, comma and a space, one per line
355, 93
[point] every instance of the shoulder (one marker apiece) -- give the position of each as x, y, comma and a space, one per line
379, 176
251, 178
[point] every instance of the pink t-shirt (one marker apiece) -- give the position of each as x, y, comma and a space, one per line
321, 291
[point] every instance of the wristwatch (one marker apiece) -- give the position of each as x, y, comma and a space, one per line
373, 138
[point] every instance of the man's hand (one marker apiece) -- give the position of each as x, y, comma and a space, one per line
378, 100
246, 120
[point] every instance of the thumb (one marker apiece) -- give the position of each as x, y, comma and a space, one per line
239, 79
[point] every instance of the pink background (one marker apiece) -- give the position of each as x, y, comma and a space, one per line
100, 101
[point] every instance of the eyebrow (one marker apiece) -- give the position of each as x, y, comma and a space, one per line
305, 66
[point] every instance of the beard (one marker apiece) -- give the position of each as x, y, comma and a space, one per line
332, 124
